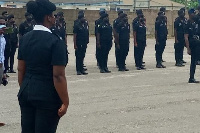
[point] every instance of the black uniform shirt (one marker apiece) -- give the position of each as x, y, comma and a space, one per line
24, 28
179, 25
140, 30
82, 33
61, 30
135, 23
41, 50
97, 23
115, 23
13, 35
105, 31
192, 29
123, 30
161, 28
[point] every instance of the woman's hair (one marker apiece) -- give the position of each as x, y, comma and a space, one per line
40, 8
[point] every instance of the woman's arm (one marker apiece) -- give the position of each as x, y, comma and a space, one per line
21, 71
60, 84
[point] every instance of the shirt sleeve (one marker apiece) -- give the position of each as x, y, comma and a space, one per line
20, 55
156, 26
175, 24
186, 29
75, 31
135, 26
59, 54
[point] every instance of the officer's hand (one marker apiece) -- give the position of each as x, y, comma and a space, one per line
176, 41
98, 45
135, 44
62, 111
189, 51
75, 47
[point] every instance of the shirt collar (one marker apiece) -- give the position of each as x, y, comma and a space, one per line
42, 28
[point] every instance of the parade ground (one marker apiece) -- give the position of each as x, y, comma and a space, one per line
146, 101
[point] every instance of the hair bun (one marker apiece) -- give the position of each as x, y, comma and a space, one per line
32, 7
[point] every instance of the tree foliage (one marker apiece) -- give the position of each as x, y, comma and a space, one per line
190, 3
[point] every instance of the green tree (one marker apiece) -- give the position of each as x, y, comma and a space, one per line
190, 4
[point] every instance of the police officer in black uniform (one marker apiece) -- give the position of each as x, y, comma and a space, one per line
161, 37
179, 25
123, 33
192, 40
97, 24
104, 42
198, 18
13, 41
43, 96
81, 39
115, 24
139, 34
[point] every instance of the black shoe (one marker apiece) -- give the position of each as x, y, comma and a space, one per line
121, 70
193, 81
138, 68
183, 61
125, 69
85, 69
107, 71
159, 66
198, 63
84, 66
102, 71
84, 73
11, 71
143, 62
163, 61
163, 66
179, 65
7, 76
143, 68
79, 73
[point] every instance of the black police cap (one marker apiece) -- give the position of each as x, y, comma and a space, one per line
10, 16
163, 9
81, 16
4, 12
191, 11
183, 9
138, 12
120, 12
101, 12
81, 12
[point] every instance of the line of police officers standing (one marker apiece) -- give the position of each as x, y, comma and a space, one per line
186, 35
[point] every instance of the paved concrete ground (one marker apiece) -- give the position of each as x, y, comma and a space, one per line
151, 101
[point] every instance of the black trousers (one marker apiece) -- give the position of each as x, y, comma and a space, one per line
6, 61
138, 54
117, 54
104, 51
36, 118
179, 48
80, 55
12, 54
194, 55
159, 51
123, 52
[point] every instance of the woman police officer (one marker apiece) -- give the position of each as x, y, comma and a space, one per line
43, 96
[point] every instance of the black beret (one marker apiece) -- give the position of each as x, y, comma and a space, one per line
183, 9
191, 11
81, 16
120, 12
138, 12
10, 16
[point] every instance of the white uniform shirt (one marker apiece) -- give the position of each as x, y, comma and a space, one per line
2, 48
